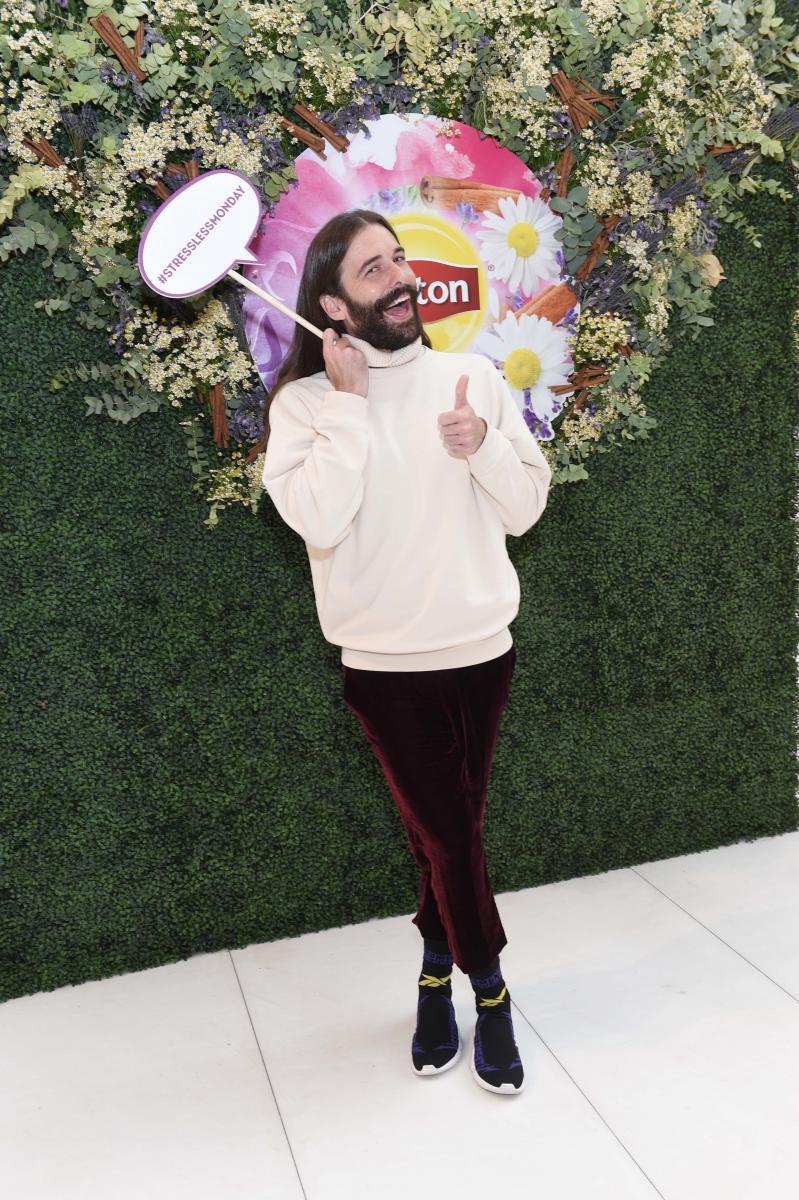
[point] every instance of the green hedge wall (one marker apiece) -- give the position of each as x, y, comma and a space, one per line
180, 773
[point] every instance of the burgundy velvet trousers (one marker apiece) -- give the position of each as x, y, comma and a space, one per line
434, 734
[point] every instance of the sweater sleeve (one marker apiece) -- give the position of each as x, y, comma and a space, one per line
509, 466
313, 468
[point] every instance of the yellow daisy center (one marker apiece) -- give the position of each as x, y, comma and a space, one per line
523, 238
522, 368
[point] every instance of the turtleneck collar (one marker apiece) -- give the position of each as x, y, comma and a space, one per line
387, 358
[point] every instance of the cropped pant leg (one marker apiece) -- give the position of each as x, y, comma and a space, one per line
434, 734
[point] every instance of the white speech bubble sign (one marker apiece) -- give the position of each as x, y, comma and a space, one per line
197, 235
193, 239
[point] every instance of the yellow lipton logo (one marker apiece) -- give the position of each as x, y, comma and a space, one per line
453, 282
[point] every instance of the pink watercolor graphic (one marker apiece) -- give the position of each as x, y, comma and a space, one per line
514, 249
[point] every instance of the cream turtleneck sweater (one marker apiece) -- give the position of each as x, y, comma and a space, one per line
406, 541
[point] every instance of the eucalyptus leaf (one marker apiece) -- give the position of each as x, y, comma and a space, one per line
73, 47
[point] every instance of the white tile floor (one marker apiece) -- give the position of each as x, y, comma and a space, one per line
656, 1009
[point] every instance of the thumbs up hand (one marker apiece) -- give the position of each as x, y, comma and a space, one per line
460, 429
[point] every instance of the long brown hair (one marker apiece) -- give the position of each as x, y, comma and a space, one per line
321, 275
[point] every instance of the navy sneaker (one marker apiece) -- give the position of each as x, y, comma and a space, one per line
436, 1044
496, 1064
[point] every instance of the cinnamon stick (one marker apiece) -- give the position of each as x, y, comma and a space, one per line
216, 397
597, 248
587, 377
50, 156
447, 192
553, 303
311, 139
255, 450
563, 170
725, 149
108, 31
580, 99
188, 168
158, 186
337, 140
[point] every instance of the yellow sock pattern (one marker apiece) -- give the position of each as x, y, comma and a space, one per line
433, 980
489, 1001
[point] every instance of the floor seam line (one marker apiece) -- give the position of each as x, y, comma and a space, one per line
268, 1078
588, 1100
713, 933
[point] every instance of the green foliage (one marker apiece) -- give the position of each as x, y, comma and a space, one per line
579, 227
120, 406
177, 740
490, 64
180, 774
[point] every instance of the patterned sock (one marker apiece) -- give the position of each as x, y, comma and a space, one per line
436, 1045
496, 1064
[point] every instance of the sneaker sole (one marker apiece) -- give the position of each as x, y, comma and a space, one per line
504, 1089
429, 1069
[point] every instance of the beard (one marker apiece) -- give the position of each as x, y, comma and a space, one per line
381, 331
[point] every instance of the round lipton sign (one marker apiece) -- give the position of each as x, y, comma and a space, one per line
479, 238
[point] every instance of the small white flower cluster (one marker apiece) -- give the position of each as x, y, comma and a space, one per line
37, 115
104, 214
636, 251
202, 354
332, 70
600, 174
58, 183
15, 17
637, 193
275, 27
610, 195
34, 45
656, 318
506, 89
630, 66
585, 427
597, 336
683, 223
685, 20
738, 97
194, 39
186, 14
9, 89
147, 149
659, 66
668, 109
106, 210
431, 72
170, 12
601, 15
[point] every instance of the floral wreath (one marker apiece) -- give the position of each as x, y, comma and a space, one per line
106, 110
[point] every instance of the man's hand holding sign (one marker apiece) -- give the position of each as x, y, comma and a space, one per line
345, 365
193, 239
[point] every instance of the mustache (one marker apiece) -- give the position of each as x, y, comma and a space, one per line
412, 294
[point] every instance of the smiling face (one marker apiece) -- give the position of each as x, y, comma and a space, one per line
374, 275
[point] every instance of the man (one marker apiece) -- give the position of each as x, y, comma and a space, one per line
404, 469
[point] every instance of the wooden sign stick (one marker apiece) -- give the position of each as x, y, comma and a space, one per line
277, 303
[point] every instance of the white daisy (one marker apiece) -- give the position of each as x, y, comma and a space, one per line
533, 355
520, 244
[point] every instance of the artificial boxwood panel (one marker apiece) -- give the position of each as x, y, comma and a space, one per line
179, 771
